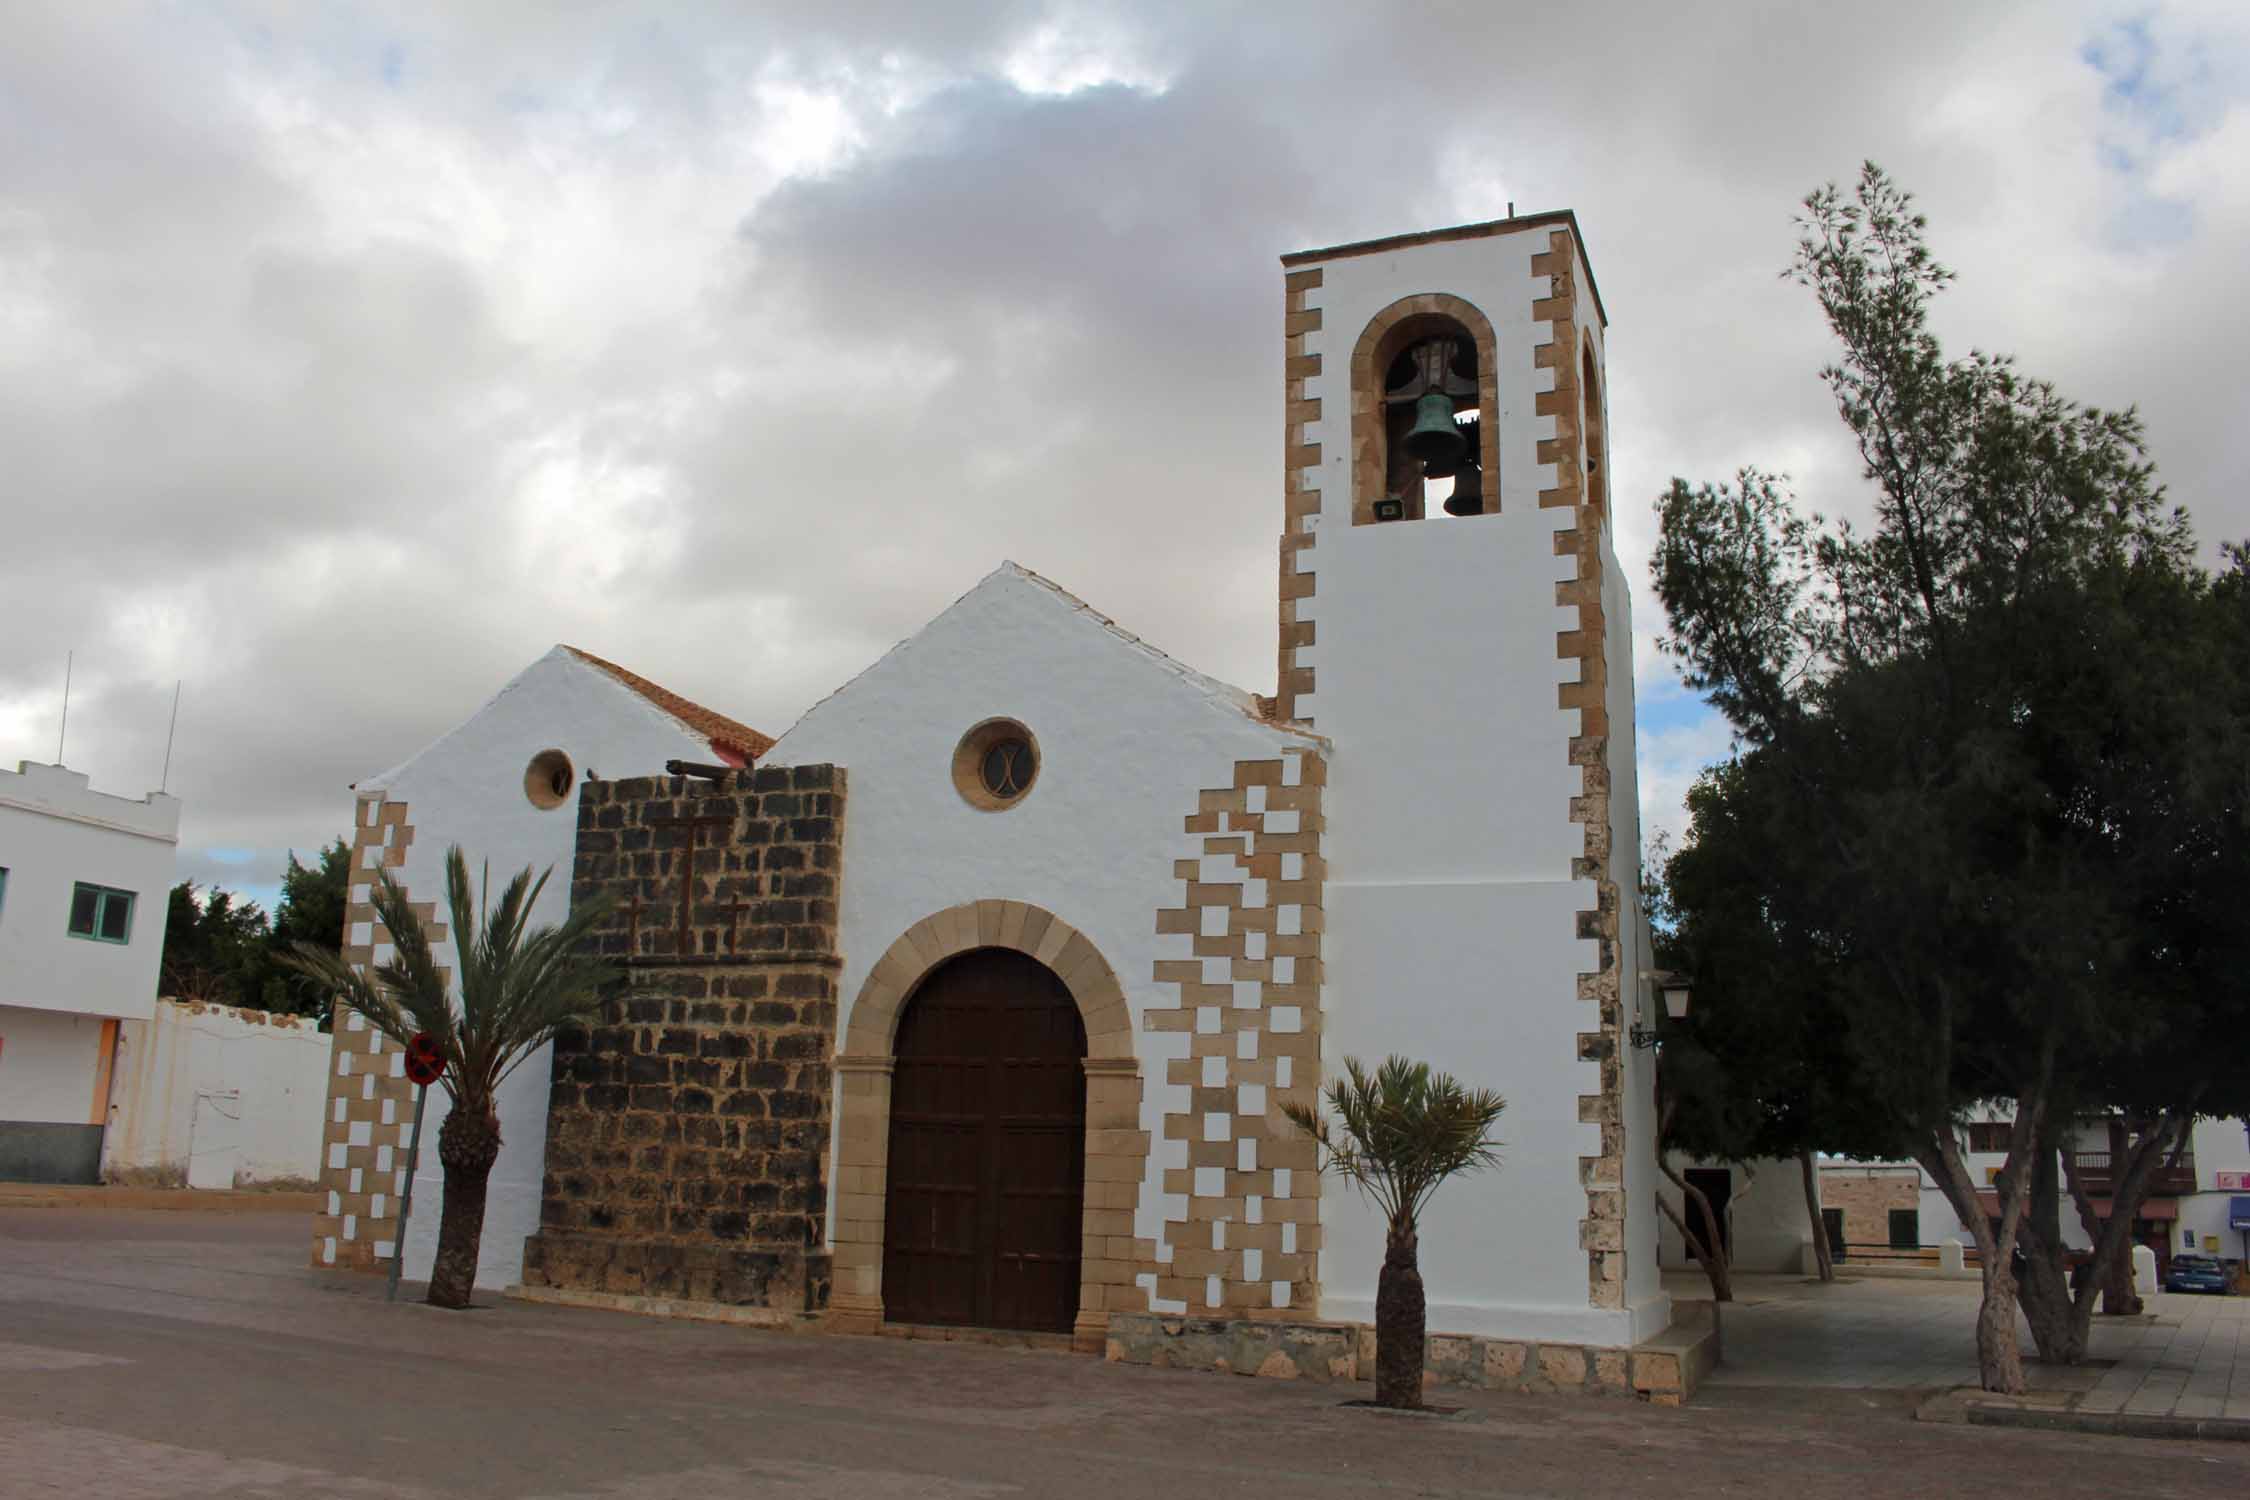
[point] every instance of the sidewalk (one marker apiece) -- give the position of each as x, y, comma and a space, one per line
2194, 1361
2183, 1363
188, 1200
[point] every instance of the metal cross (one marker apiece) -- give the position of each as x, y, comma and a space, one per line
734, 910
693, 827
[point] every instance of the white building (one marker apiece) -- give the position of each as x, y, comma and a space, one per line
2190, 1206
85, 880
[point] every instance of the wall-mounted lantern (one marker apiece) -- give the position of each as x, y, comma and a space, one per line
1674, 988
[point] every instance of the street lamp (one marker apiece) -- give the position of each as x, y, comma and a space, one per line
1674, 988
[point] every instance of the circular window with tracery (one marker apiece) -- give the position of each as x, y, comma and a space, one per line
995, 764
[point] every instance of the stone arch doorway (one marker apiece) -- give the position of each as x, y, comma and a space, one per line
986, 1178
1115, 1156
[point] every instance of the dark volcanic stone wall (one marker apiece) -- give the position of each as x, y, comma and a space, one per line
689, 1125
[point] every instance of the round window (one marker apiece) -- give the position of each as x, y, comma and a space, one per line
546, 781
995, 764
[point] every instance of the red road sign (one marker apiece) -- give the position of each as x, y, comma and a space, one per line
425, 1062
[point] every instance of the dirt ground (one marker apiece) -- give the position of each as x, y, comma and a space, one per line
149, 1354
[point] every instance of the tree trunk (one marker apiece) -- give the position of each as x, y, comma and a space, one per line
2115, 1273
2048, 1295
468, 1144
1999, 1360
1822, 1256
1401, 1326
1712, 1256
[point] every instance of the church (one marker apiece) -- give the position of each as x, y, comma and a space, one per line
970, 1001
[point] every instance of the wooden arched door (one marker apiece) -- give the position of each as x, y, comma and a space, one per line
985, 1186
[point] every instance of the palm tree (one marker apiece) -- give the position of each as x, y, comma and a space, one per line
517, 988
1398, 1134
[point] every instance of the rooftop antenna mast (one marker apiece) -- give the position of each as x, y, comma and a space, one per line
169, 734
65, 729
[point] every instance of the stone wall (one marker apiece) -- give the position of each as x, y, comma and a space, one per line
689, 1124
1664, 1371
1867, 1196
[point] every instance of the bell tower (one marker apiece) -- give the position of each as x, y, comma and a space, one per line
1453, 620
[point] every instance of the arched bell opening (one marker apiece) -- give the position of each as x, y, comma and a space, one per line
1590, 429
1422, 381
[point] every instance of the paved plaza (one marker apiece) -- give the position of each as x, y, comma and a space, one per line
148, 1355
2188, 1356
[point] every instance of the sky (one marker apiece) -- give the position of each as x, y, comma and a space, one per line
352, 356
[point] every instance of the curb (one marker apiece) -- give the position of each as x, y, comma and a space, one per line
2112, 1423
1957, 1409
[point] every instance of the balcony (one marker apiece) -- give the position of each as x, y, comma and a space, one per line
2168, 1181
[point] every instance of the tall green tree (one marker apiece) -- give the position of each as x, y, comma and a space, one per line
1952, 813
517, 985
215, 947
1398, 1134
311, 910
1755, 1071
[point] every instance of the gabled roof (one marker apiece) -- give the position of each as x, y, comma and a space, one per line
1258, 706
725, 734
1221, 696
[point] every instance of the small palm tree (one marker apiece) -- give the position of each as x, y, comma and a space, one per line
1400, 1132
517, 989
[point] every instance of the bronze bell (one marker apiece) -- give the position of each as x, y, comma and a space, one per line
1467, 498
1434, 439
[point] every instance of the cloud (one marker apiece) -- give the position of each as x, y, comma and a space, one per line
349, 358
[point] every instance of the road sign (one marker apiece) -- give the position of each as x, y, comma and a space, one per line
425, 1062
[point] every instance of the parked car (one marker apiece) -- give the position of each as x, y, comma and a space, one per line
2197, 1273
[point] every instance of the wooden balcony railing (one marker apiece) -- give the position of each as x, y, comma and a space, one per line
2168, 1181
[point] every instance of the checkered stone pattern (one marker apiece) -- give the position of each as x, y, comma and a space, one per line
1242, 1223
1300, 501
1602, 1231
370, 1108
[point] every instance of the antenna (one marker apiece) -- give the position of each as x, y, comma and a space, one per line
169, 734
65, 729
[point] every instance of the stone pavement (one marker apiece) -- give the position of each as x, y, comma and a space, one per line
147, 1356
2189, 1357
2193, 1361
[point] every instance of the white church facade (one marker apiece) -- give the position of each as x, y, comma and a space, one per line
973, 1001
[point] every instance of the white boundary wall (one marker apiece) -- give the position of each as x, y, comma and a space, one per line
225, 1096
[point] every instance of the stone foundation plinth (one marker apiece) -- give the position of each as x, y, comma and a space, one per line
1665, 1370
786, 1280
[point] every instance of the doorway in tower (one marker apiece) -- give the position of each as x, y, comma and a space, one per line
985, 1190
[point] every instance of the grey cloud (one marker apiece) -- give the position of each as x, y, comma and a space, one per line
319, 389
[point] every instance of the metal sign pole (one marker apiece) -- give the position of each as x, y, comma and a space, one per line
406, 1199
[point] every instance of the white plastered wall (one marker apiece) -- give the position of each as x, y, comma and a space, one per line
1450, 909
2220, 1146
223, 1095
56, 831
467, 789
48, 1060
1126, 737
1767, 1225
